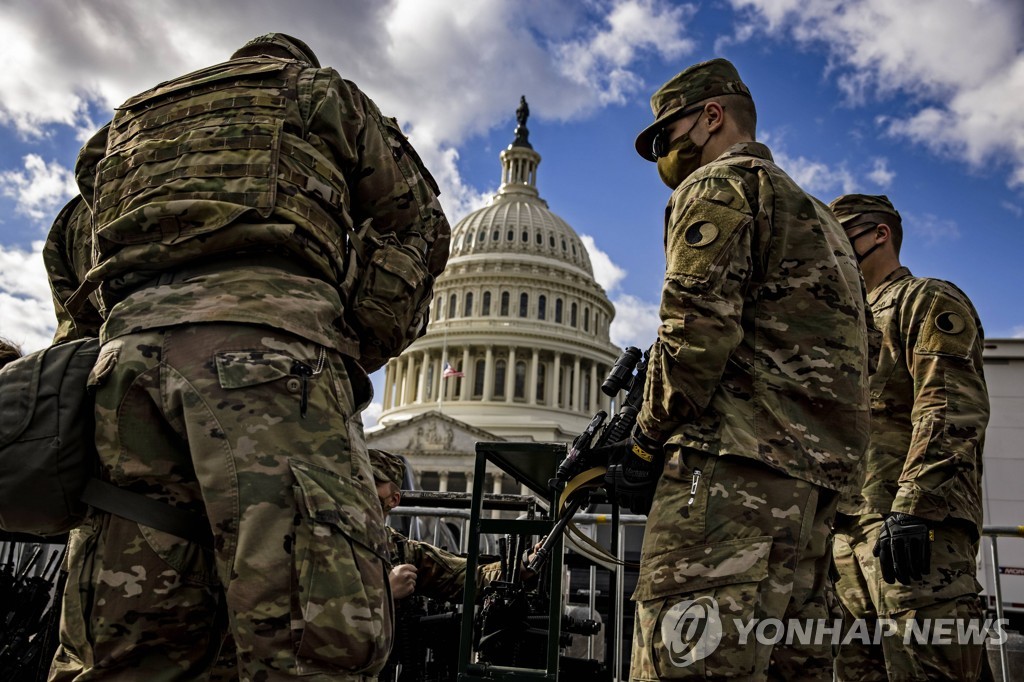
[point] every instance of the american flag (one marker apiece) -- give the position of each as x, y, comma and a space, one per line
450, 371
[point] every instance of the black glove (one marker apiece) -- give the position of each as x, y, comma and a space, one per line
904, 548
631, 480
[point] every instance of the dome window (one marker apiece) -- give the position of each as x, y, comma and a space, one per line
495, 236
524, 304
574, 249
542, 305
452, 302
551, 240
479, 372
467, 308
540, 239
511, 235
526, 236
586, 319
572, 316
519, 391
499, 379
486, 306
482, 237
563, 245
558, 310
504, 304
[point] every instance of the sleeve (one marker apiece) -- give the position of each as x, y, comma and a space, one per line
950, 410
66, 258
439, 574
388, 182
708, 251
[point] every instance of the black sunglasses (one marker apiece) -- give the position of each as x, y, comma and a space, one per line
660, 142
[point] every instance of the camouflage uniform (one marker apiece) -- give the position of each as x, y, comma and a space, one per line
225, 206
757, 385
440, 575
929, 410
67, 255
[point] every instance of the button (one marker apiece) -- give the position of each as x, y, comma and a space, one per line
294, 385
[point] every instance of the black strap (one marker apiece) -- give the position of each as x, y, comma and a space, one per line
147, 511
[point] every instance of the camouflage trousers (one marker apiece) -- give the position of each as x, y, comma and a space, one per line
257, 430
738, 545
949, 591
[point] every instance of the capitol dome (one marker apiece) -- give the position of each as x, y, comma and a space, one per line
518, 344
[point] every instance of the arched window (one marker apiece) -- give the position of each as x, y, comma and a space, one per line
439, 307
586, 319
524, 304
551, 240
511, 235
542, 307
526, 236
479, 371
572, 315
499, 379
429, 388
504, 304
495, 236
574, 248
541, 375
467, 309
451, 306
520, 382
486, 308
563, 245
558, 310
482, 236
540, 239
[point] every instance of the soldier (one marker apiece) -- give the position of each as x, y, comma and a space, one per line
263, 238
756, 398
907, 538
67, 254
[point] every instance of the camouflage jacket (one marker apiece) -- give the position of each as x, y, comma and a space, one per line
67, 256
929, 403
233, 194
440, 575
762, 348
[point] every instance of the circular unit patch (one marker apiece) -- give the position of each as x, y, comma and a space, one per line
700, 234
950, 322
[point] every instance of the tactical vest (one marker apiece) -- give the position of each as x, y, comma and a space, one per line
192, 165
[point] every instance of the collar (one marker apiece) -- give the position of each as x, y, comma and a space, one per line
755, 149
896, 275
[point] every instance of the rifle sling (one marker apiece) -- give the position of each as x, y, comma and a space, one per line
146, 511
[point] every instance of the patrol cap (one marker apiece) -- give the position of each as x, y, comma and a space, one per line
696, 84
293, 46
849, 207
387, 467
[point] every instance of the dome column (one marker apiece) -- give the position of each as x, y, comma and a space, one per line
556, 382
389, 385
489, 374
576, 385
532, 387
421, 379
595, 395
464, 386
510, 375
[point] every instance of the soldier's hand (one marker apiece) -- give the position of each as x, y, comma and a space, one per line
904, 548
631, 481
403, 581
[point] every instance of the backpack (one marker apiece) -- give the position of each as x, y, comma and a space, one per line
47, 446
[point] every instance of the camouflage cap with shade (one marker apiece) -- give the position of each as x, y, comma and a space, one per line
387, 467
699, 82
849, 207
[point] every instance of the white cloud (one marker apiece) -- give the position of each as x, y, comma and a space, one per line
40, 189
960, 62
814, 177
880, 173
607, 273
1013, 208
449, 71
636, 322
931, 228
26, 308
371, 414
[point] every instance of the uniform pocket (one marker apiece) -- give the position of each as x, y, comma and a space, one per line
342, 611
694, 604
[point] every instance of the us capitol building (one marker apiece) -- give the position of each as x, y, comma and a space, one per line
517, 346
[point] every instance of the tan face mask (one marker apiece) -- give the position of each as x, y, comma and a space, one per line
680, 161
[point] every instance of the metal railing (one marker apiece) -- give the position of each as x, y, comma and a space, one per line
993, 533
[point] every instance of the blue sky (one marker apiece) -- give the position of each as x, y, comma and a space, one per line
922, 100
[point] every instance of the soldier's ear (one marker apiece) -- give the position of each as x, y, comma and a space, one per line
713, 115
883, 233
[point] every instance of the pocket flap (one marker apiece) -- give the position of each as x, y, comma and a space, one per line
351, 508
693, 569
238, 369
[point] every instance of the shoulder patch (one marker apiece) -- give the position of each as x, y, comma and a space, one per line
701, 233
948, 328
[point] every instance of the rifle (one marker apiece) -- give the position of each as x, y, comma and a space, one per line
630, 373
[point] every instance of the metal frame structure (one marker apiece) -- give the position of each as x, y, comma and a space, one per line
993, 533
